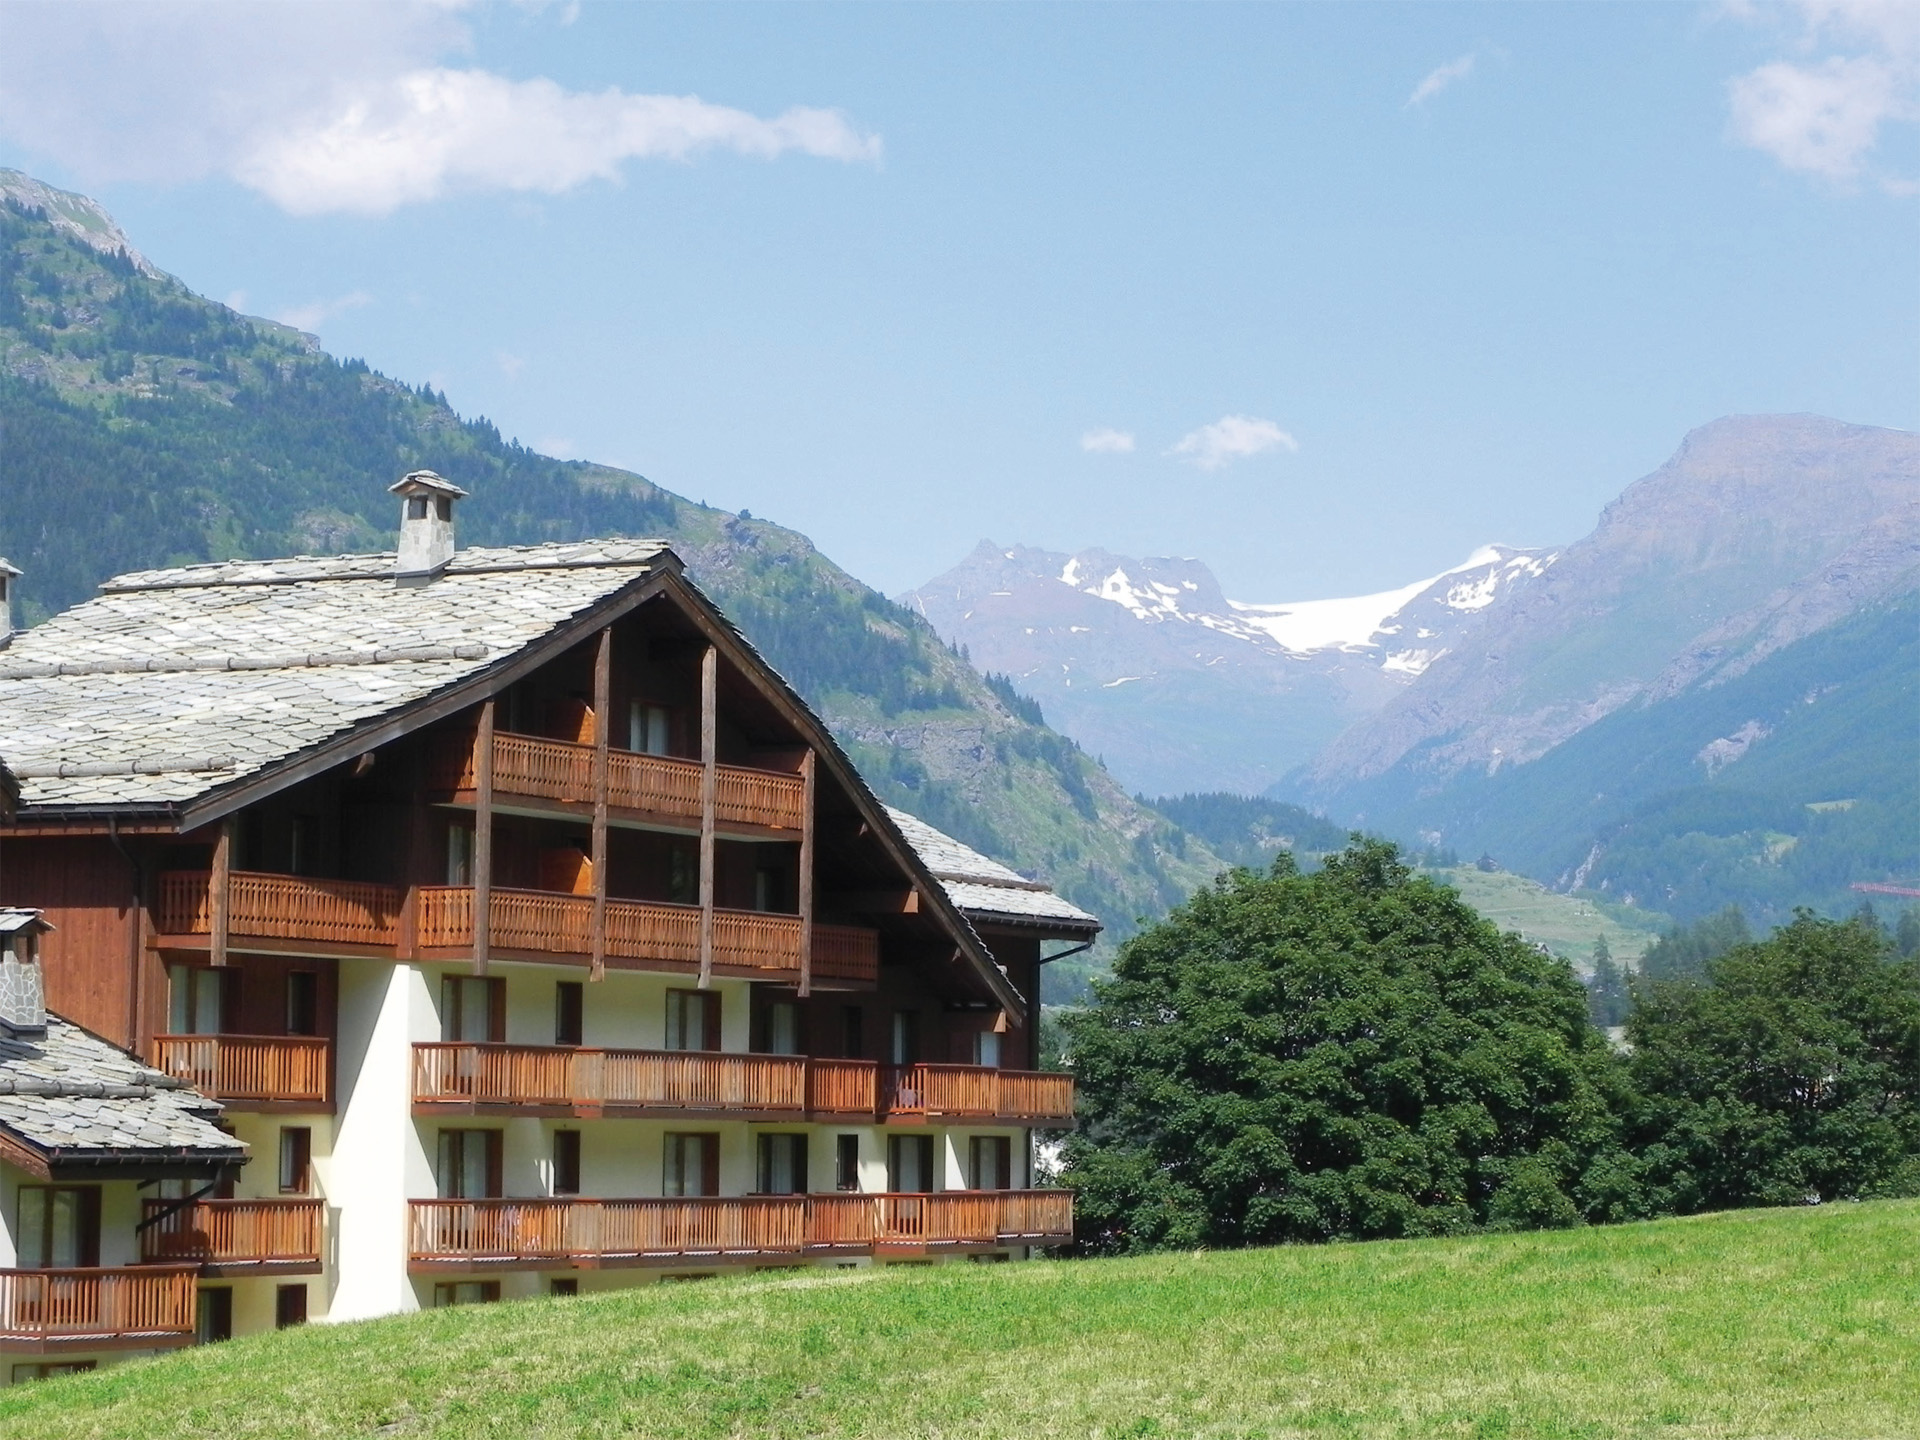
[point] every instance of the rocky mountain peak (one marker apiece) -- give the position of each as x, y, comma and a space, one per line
84, 219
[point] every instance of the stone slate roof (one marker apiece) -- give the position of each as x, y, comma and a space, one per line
70, 1092
985, 890
172, 683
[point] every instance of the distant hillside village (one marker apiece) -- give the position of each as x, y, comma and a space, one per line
436, 926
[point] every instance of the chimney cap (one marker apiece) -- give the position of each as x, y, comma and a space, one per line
425, 482
7, 567
15, 918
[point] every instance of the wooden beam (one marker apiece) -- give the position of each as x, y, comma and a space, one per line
602, 728
709, 747
806, 874
483, 838
217, 893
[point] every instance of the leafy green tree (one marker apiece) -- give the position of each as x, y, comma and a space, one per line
1683, 952
1608, 996
1792, 1077
1347, 1054
1906, 934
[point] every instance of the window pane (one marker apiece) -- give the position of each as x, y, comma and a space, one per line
986, 1049
783, 1028
33, 1227
179, 999
63, 1242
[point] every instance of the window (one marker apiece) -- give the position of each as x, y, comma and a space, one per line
459, 854
296, 1159
772, 891
469, 1164
990, 1161
473, 1008
563, 1285
303, 1003
986, 1049
649, 728
780, 1029
693, 1020
692, 1165
59, 1226
569, 1012
910, 1164
289, 1305
853, 1044
906, 1037
196, 999
303, 846
466, 1292
566, 1162
683, 875
846, 1162
782, 1168
47, 1371
213, 1316
416, 507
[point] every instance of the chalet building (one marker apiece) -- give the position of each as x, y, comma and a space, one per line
529, 932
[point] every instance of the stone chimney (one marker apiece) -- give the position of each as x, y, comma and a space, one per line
426, 524
7, 576
23, 994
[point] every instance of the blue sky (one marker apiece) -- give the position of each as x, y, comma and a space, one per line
1360, 286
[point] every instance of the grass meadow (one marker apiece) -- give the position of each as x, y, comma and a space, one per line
1798, 1324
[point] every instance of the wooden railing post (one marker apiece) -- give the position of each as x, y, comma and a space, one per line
602, 723
219, 886
483, 839
709, 745
806, 874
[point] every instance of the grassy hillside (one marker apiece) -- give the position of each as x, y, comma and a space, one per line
1755, 1323
1568, 925
142, 425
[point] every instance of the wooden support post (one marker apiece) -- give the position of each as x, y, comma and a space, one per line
483, 839
218, 888
709, 745
602, 728
806, 874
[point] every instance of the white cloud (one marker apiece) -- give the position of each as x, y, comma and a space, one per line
1230, 438
1823, 115
1440, 78
1107, 442
342, 106
510, 364
315, 313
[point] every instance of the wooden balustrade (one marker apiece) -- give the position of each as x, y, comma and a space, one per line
284, 1069
96, 1308
977, 1092
234, 1235
532, 1233
661, 785
281, 907
545, 922
551, 1077
843, 1087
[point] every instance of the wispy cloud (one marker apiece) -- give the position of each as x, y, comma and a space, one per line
338, 107
1107, 442
1440, 78
1231, 438
316, 313
510, 364
1823, 114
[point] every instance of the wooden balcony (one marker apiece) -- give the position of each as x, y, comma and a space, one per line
278, 912
978, 1093
542, 1079
749, 943
565, 1233
252, 1072
48, 1311
644, 789
553, 1080
235, 1237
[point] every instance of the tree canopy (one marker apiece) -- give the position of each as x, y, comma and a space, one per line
1345, 1054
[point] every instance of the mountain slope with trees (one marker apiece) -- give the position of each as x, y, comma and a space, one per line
142, 425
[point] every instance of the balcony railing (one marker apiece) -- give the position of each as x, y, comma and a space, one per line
550, 1077
978, 1092
547, 1077
263, 1069
657, 785
96, 1308
281, 907
462, 1234
234, 1236
544, 922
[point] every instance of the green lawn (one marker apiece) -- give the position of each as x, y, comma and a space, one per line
1566, 924
1790, 1324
